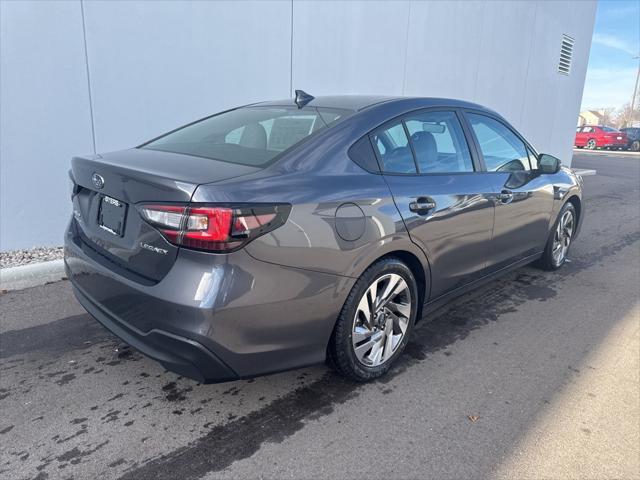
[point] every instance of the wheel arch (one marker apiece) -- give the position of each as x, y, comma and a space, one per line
577, 204
420, 269
419, 274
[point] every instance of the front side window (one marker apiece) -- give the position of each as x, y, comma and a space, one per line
248, 136
502, 150
393, 149
439, 143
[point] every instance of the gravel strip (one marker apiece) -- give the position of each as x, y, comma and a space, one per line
15, 258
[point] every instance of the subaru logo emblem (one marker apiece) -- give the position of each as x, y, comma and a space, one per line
97, 180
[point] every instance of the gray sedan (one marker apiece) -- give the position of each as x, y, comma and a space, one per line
286, 233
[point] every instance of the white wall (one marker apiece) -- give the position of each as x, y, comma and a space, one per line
501, 54
151, 66
44, 118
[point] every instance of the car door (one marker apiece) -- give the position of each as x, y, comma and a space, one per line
579, 141
443, 199
524, 196
585, 135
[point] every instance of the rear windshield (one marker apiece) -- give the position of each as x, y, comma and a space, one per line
252, 136
609, 129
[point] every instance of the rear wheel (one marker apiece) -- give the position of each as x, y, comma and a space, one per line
557, 247
375, 322
591, 144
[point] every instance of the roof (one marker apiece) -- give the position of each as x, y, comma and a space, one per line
360, 102
347, 102
595, 113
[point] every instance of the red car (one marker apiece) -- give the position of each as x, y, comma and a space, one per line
597, 136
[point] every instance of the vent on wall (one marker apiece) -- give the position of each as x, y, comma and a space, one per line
566, 52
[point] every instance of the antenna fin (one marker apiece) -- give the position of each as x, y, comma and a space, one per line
302, 98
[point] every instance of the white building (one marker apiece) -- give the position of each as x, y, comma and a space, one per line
93, 76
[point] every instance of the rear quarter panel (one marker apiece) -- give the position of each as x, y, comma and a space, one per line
340, 223
566, 185
343, 217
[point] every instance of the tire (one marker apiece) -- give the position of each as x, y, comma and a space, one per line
591, 144
551, 259
377, 342
635, 146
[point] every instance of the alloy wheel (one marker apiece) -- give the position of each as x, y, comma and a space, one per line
635, 146
562, 238
381, 320
591, 144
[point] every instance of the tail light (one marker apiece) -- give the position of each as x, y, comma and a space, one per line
215, 228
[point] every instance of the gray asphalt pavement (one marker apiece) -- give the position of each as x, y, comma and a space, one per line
535, 375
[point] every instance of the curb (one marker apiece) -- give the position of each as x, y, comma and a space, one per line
32, 275
624, 153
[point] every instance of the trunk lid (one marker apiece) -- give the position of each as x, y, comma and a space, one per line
110, 189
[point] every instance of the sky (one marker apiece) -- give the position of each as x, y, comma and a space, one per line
611, 74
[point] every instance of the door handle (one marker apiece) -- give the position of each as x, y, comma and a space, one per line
505, 196
422, 205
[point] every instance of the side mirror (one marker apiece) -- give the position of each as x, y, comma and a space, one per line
548, 164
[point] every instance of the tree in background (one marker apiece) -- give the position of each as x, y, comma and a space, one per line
625, 117
607, 116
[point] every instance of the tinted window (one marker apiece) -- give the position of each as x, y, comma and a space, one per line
393, 149
439, 143
609, 130
502, 150
247, 136
361, 152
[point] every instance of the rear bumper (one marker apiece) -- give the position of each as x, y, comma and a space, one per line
615, 143
213, 317
178, 354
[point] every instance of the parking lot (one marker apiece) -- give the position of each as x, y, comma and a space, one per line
534, 375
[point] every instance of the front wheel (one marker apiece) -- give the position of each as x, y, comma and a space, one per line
375, 322
592, 144
557, 247
635, 146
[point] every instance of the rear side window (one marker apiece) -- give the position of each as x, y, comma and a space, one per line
251, 136
438, 143
502, 150
362, 153
393, 149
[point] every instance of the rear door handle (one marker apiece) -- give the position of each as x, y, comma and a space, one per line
422, 205
505, 196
